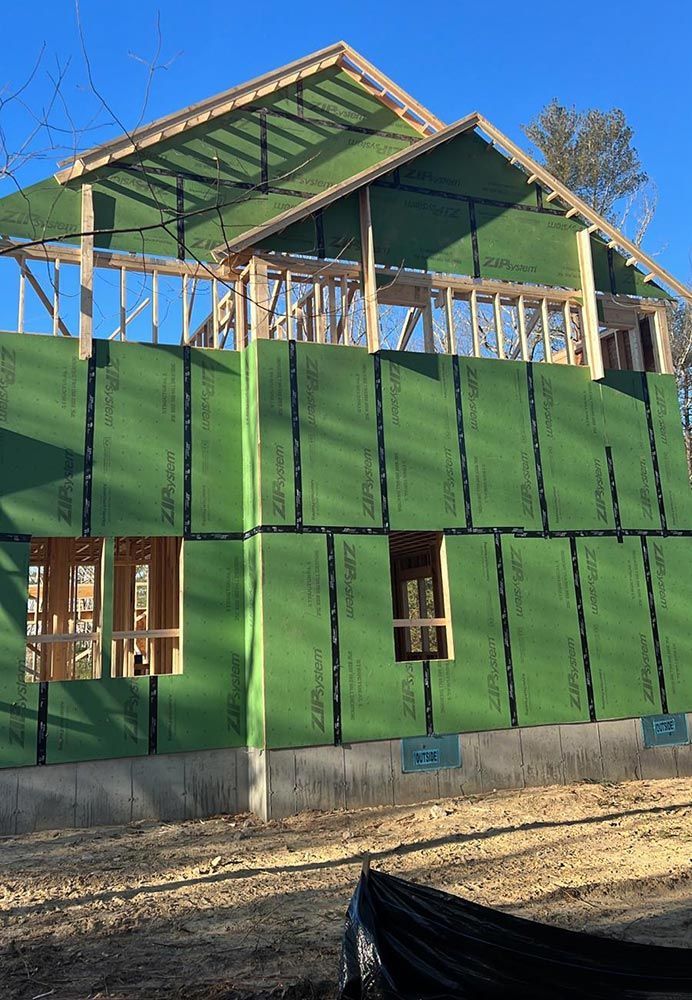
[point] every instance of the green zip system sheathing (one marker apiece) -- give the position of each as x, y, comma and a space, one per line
544, 630
268, 637
671, 571
42, 413
421, 440
618, 627
380, 699
499, 449
224, 177
470, 691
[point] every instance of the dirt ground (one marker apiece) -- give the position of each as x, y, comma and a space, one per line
232, 908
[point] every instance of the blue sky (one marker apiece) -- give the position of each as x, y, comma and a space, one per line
503, 59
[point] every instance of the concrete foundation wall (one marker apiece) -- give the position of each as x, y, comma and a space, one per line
277, 783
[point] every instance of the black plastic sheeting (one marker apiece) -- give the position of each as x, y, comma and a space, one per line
414, 943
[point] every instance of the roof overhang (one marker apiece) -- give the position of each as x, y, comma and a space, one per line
340, 54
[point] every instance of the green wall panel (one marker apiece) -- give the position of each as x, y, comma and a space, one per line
204, 707
249, 437
671, 572
276, 480
217, 483
499, 446
627, 434
470, 692
138, 440
421, 442
254, 655
421, 231
42, 415
618, 628
527, 246
571, 434
18, 699
547, 660
297, 641
380, 699
670, 449
338, 437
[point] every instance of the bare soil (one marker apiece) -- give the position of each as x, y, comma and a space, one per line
233, 908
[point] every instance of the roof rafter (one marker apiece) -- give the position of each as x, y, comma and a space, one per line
339, 54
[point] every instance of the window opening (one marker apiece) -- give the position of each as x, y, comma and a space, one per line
418, 572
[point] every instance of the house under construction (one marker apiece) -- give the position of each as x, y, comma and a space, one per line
346, 428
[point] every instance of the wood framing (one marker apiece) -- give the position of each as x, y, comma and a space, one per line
663, 353
372, 322
591, 335
86, 278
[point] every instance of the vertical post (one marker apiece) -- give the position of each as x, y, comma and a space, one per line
590, 333
449, 320
86, 275
545, 323
22, 296
186, 323
123, 304
522, 329
240, 313
215, 312
318, 310
259, 299
333, 336
56, 297
155, 307
475, 332
345, 311
569, 343
499, 328
367, 246
289, 305
664, 357
428, 330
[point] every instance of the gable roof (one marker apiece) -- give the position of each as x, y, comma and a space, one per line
575, 206
340, 54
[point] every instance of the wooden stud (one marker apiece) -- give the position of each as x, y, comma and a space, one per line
475, 331
449, 320
258, 289
372, 322
86, 279
499, 327
333, 335
214, 313
545, 323
318, 312
123, 305
569, 343
290, 333
590, 332
428, 328
521, 310
22, 297
664, 356
155, 307
240, 314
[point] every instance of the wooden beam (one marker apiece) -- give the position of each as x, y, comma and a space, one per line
428, 328
545, 323
367, 246
86, 275
449, 320
409, 325
475, 331
523, 343
258, 290
592, 342
499, 327
664, 356
569, 343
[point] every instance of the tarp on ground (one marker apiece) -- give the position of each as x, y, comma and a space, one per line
411, 942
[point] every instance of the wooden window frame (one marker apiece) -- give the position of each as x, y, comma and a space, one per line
420, 556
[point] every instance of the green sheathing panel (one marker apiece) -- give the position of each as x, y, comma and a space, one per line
18, 700
101, 718
547, 660
338, 436
340, 231
670, 449
499, 447
276, 480
467, 165
421, 231
380, 699
671, 571
470, 692
249, 436
421, 442
527, 246
138, 440
627, 434
571, 433
254, 654
335, 130
297, 641
204, 707
42, 415
618, 628
217, 482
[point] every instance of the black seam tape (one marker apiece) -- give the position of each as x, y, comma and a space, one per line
654, 625
474, 240
264, 156
187, 441
336, 659
586, 659
89, 447
465, 485
300, 107
319, 231
381, 452
153, 714
506, 639
42, 726
295, 430
427, 694
180, 214
336, 529
469, 199
540, 482
614, 492
654, 453
611, 272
